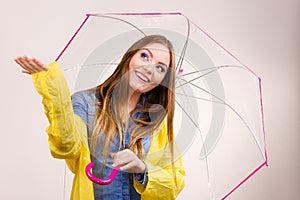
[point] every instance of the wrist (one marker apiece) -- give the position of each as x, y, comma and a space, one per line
143, 176
143, 167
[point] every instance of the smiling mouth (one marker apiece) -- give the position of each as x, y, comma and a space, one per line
142, 77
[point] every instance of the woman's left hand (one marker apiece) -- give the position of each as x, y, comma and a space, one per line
128, 161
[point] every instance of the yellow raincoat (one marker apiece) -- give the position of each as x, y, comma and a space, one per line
67, 138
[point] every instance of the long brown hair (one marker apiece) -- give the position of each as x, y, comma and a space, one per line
112, 115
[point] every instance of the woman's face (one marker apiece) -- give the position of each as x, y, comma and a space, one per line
148, 67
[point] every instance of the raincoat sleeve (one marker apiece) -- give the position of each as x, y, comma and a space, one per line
161, 183
66, 130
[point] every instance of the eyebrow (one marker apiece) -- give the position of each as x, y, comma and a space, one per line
152, 56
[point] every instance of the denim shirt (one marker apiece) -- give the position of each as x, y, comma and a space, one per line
122, 186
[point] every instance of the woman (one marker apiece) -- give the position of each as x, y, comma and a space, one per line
126, 121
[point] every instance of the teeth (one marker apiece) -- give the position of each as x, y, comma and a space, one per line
142, 77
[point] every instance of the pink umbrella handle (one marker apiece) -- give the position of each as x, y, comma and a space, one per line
100, 181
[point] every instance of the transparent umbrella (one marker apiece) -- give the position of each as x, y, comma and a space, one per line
218, 116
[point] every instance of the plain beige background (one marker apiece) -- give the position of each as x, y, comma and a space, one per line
263, 34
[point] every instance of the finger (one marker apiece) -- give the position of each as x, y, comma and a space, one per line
124, 157
113, 155
18, 61
26, 72
127, 167
23, 62
122, 160
40, 65
33, 65
37, 68
136, 166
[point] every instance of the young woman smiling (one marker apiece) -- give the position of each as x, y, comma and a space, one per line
126, 121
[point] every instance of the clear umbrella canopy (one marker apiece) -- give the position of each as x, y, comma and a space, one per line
218, 114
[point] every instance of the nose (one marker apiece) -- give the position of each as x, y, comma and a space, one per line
149, 68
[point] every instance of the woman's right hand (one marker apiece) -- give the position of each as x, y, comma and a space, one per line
30, 65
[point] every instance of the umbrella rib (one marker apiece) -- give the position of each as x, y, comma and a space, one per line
185, 111
210, 68
197, 71
202, 140
195, 124
88, 65
195, 97
225, 103
187, 82
182, 55
216, 68
127, 22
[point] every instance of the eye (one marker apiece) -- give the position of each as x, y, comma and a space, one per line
161, 68
145, 56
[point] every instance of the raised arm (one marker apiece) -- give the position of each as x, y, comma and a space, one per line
66, 130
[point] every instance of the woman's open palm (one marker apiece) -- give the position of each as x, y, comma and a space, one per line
30, 65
